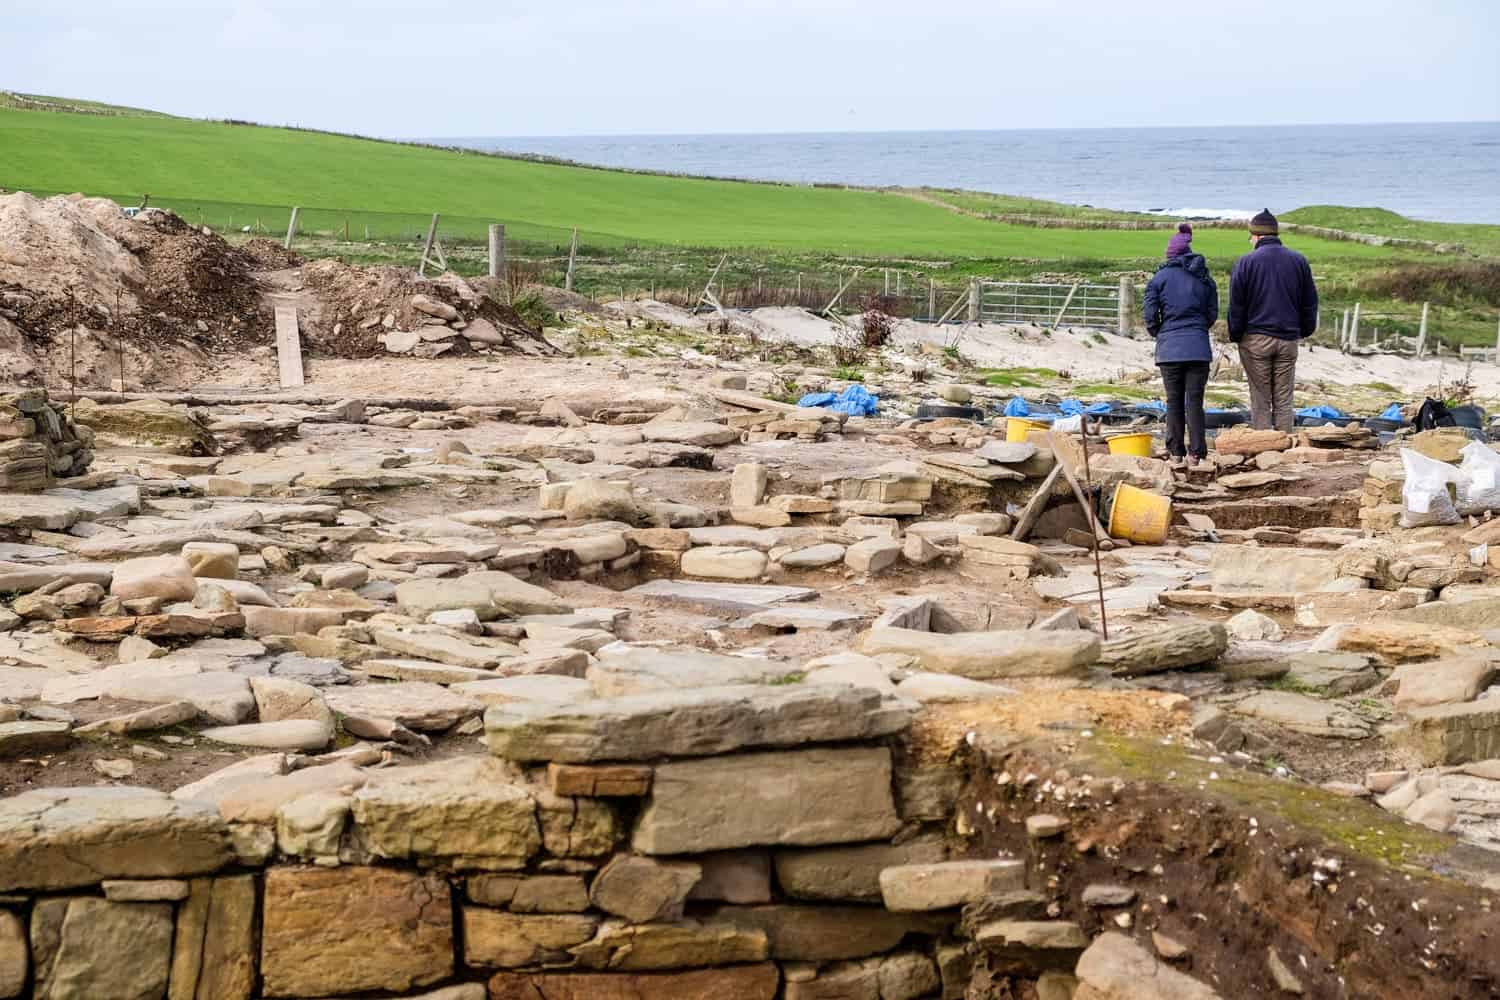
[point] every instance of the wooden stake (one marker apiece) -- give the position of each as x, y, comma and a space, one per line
1088, 478
291, 227
572, 256
1066, 302
427, 245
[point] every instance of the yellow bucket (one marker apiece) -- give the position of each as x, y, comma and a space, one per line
1016, 428
1139, 515
1130, 444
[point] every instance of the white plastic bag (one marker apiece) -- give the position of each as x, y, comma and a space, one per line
1424, 496
1071, 425
1478, 479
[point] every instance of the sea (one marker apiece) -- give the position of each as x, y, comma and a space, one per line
1436, 172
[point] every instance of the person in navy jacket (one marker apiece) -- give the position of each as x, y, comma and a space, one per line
1273, 306
1181, 303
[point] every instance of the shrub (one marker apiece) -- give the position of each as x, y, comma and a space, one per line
534, 310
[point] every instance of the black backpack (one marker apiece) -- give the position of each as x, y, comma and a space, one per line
1433, 414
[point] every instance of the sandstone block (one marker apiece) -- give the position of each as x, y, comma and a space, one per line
15, 961
1114, 967
213, 951
872, 555
683, 945
850, 873
988, 655
830, 933
530, 893
167, 577
128, 833
642, 889
948, 883
720, 562
86, 947
601, 781
350, 929
740, 982
460, 813
689, 723
807, 797
493, 939
213, 560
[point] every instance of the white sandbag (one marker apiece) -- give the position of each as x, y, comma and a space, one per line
1424, 496
1479, 479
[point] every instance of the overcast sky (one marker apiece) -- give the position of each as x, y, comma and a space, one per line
567, 67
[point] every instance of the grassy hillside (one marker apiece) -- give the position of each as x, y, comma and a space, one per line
267, 169
368, 200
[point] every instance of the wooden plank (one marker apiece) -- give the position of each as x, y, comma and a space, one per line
1032, 512
289, 347
1105, 542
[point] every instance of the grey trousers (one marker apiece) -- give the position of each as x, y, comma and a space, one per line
1271, 368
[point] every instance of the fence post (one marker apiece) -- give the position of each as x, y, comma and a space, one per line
931, 299
1127, 305
1422, 331
291, 227
572, 256
497, 250
887, 281
1344, 332
1354, 328
973, 300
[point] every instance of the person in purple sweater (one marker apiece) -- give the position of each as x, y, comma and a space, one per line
1181, 303
1273, 305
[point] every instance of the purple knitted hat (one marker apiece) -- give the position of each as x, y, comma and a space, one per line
1181, 241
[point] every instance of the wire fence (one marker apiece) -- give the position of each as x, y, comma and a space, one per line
606, 265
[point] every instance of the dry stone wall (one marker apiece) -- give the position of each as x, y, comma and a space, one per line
746, 842
38, 443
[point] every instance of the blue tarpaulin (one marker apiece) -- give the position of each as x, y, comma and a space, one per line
1017, 408
855, 401
1154, 406
1392, 412
1072, 408
1322, 411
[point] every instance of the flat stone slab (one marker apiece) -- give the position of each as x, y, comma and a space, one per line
622, 670
690, 723
799, 618
425, 670
800, 797
989, 655
535, 687
414, 704
27, 736
62, 838
741, 597
287, 734
945, 884
1302, 714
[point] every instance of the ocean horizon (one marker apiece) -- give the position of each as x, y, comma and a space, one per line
1441, 172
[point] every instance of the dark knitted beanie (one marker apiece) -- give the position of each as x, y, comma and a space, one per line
1264, 224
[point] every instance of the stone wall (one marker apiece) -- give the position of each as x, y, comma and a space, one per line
39, 442
742, 843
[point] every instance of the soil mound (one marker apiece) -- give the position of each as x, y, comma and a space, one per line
268, 255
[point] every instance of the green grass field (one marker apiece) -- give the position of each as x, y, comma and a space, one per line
196, 161
370, 201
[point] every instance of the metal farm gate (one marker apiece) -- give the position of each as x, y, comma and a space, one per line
1049, 305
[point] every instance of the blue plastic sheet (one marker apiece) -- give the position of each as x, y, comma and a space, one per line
855, 401
1154, 406
1322, 412
1017, 408
818, 399
1392, 412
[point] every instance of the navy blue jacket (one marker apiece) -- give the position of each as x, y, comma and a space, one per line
1181, 303
1271, 291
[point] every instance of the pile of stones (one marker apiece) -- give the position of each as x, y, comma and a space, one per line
38, 443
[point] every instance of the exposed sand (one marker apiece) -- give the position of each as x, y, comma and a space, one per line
1096, 355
